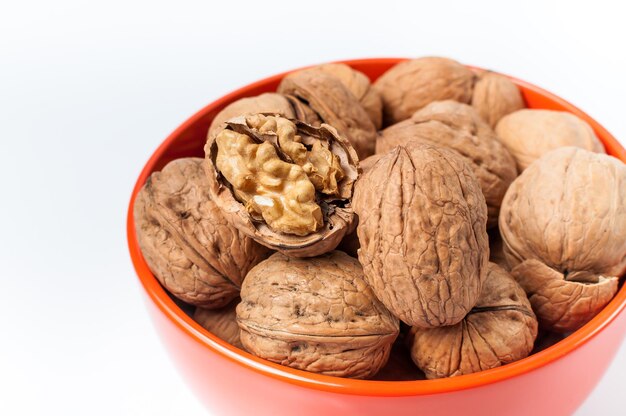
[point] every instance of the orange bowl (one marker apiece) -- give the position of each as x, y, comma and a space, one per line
554, 381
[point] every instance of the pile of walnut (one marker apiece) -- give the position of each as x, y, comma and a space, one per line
329, 212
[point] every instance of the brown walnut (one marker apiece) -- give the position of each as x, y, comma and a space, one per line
186, 241
500, 329
422, 230
271, 103
284, 183
335, 104
459, 127
531, 133
411, 85
563, 224
495, 96
221, 322
317, 315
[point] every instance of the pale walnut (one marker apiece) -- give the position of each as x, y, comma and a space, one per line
528, 134
563, 224
188, 245
411, 85
459, 127
335, 104
284, 183
500, 329
271, 103
422, 229
317, 315
221, 322
359, 85
495, 96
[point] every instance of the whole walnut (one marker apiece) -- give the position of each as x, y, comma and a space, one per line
315, 314
500, 329
335, 104
284, 183
563, 224
422, 229
459, 127
411, 85
186, 241
530, 133
221, 322
495, 96
359, 85
271, 103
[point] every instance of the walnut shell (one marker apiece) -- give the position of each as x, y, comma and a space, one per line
270, 103
528, 134
495, 96
221, 322
335, 104
422, 229
500, 329
563, 224
186, 241
359, 85
317, 315
496, 249
336, 209
400, 366
459, 127
411, 85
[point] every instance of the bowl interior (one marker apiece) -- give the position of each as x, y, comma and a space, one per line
188, 140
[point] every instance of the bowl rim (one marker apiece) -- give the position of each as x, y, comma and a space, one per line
187, 325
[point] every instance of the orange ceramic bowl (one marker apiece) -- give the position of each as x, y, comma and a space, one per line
552, 382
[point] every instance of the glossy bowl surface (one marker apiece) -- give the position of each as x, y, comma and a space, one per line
554, 381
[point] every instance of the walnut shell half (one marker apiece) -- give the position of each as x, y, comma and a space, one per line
411, 85
422, 230
186, 241
295, 215
335, 104
530, 133
459, 127
563, 224
500, 329
317, 315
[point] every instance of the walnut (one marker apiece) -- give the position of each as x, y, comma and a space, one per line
563, 224
285, 184
495, 96
270, 102
411, 85
359, 85
422, 229
496, 249
399, 367
186, 241
221, 322
327, 95
315, 314
459, 127
529, 134
500, 329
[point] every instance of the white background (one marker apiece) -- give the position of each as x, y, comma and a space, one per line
89, 89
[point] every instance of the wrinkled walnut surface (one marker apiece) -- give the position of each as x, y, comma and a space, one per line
422, 230
563, 223
459, 127
185, 240
335, 104
500, 329
411, 85
529, 134
315, 314
495, 96
270, 103
221, 322
265, 193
